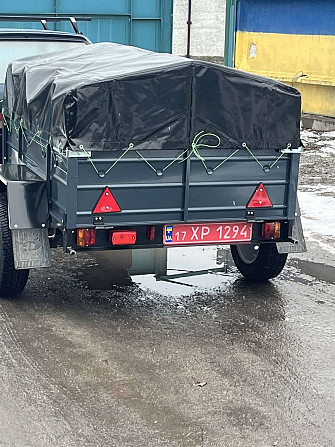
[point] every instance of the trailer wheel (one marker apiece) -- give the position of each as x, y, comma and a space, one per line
12, 281
258, 262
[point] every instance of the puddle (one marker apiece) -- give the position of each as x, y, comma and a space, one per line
319, 271
197, 267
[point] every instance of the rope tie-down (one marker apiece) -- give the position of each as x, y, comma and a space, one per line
194, 151
196, 145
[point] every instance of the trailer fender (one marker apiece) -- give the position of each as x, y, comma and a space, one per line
298, 244
27, 216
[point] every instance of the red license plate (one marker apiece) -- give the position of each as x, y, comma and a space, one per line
217, 233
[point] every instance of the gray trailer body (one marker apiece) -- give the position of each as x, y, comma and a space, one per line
146, 193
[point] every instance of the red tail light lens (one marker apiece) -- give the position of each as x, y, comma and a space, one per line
123, 237
259, 198
271, 230
151, 233
86, 237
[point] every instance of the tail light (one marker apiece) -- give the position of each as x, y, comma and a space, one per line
86, 237
260, 198
122, 237
150, 233
271, 230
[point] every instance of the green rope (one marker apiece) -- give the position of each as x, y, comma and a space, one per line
259, 163
60, 159
196, 145
147, 162
253, 156
17, 129
173, 161
276, 161
224, 161
281, 155
61, 169
29, 142
167, 166
89, 158
9, 127
131, 145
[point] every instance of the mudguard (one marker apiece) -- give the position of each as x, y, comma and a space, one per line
27, 216
298, 244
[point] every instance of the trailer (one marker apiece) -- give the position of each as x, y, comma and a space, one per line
110, 147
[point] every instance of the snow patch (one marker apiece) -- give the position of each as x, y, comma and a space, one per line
318, 218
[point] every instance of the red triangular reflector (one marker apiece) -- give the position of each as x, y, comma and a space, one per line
259, 198
106, 203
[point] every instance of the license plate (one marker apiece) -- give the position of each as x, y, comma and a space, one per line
218, 233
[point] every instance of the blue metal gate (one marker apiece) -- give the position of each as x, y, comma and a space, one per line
143, 23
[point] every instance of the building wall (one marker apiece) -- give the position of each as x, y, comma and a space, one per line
292, 41
207, 29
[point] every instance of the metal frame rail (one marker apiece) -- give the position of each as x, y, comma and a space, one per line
44, 19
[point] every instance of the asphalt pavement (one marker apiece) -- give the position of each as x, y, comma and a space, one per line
209, 360
81, 366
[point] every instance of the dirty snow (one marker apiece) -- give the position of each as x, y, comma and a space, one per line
317, 172
321, 142
317, 188
318, 214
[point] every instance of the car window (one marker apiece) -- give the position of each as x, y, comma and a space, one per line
16, 49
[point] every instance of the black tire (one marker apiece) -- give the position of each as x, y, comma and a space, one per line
12, 281
258, 262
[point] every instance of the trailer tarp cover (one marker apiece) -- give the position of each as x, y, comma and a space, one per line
105, 96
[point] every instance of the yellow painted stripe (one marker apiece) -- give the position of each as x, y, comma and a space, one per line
287, 56
318, 99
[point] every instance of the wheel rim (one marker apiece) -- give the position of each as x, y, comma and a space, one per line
248, 253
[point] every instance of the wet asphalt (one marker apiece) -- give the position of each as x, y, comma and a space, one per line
81, 366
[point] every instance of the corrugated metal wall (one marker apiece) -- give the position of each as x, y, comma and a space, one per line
292, 41
143, 23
